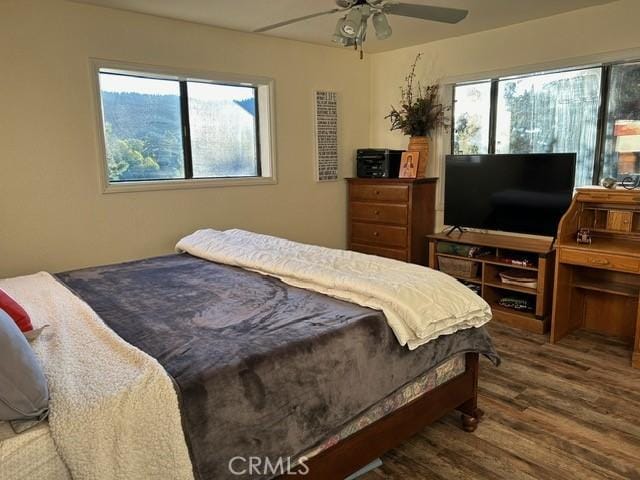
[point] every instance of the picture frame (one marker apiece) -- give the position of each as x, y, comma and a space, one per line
409, 164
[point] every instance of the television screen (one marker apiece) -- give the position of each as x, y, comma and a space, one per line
525, 193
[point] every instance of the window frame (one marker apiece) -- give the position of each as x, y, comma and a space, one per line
265, 126
605, 84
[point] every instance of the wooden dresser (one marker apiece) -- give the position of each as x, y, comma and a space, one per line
598, 284
390, 217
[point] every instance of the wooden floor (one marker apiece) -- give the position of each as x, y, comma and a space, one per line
566, 411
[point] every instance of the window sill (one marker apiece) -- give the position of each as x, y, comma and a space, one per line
151, 185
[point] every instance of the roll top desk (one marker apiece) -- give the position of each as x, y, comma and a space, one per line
597, 284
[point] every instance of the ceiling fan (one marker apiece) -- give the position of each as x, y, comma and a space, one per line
351, 29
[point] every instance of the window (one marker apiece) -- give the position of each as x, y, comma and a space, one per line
471, 118
622, 131
142, 128
593, 111
223, 124
160, 128
551, 113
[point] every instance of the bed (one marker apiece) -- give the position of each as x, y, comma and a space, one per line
268, 370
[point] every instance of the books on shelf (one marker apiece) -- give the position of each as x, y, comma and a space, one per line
517, 303
519, 260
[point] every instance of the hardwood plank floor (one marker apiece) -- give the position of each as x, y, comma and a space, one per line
566, 411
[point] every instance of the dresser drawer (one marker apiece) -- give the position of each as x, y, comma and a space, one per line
608, 261
380, 193
376, 212
393, 253
376, 234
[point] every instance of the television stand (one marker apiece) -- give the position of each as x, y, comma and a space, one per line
505, 252
453, 229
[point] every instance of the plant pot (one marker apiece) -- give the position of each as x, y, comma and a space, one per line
420, 144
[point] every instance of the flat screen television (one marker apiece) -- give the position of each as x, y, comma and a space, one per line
526, 193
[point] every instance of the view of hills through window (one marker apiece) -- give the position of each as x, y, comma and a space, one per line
144, 131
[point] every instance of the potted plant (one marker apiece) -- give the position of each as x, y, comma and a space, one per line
420, 113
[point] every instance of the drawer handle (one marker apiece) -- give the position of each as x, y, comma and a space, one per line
377, 212
377, 192
599, 261
376, 234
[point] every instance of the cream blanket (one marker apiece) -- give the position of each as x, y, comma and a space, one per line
114, 412
420, 304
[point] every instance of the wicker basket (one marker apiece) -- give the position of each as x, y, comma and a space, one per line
458, 267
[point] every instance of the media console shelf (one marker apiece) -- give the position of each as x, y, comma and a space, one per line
501, 250
598, 284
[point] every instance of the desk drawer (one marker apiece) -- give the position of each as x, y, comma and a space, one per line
380, 193
383, 213
376, 234
600, 260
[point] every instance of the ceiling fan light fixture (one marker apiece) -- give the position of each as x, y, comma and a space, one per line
381, 26
351, 24
338, 37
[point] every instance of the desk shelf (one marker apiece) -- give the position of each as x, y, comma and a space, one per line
610, 287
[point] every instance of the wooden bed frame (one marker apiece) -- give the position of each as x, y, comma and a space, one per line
364, 446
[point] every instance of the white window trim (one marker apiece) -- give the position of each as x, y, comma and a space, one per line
267, 140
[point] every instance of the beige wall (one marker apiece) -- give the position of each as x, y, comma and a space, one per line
53, 215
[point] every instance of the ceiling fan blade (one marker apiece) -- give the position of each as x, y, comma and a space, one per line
299, 19
426, 12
